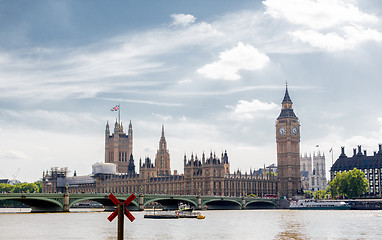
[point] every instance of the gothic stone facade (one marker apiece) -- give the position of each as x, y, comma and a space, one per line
206, 176
119, 146
313, 173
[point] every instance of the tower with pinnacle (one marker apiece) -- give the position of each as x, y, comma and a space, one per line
162, 159
119, 147
288, 149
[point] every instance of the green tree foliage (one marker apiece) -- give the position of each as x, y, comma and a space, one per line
26, 188
350, 184
320, 194
19, 188
5, 188
308, 194
39, 185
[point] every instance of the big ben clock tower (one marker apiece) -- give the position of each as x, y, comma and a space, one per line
288, 149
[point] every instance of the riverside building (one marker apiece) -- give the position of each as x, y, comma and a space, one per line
207, 175
371, 165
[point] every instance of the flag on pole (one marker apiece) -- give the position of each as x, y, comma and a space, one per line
331, 149
114, 109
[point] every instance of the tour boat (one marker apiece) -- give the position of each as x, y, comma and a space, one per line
185, 207
311, 204
172, 214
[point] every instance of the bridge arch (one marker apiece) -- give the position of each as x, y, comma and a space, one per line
38, 204
170, 203
222, 204
261, 204
106, 202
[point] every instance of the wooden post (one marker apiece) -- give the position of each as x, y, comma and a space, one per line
121, 213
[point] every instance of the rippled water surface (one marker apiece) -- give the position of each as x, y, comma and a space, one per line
245, 224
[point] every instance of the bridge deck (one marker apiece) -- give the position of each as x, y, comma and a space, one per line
53, 202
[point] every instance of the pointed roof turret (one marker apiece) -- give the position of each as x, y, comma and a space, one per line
162, 141
287, 110
130, 132
286, 96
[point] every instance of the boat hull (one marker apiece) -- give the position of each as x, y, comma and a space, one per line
161, 216
311, 204
321, 208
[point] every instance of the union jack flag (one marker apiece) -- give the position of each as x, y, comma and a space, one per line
114, 109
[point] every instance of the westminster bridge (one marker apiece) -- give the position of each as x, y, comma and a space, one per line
59, 202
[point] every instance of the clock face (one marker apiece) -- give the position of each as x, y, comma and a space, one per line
282, 131
294, 131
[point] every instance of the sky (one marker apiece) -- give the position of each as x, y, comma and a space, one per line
212, 72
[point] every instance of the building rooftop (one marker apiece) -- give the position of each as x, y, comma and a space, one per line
359, 160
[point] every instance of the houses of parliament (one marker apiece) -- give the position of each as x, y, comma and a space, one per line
206, 174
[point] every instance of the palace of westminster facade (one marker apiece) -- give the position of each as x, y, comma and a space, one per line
205, 175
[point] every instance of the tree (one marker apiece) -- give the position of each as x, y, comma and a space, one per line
351, 184
5, 187
320, 194
20, 187
357, 183
39, 186
26, 188
308, 194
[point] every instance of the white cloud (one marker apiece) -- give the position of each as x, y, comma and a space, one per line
12, 155
246, 110
317, 14
242, 57
334, 42
162, 117
185, 81
148, 102
58, 120
326, 24
39, 150
79, 72
183, 19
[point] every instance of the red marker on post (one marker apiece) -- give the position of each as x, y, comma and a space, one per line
120, 211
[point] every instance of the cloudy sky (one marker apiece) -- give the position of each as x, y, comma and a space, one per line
213, 72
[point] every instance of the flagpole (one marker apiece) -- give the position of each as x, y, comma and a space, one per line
119, 113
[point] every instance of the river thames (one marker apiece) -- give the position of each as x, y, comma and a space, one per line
232, 224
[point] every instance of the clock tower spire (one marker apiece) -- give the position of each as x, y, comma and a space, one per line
288, 149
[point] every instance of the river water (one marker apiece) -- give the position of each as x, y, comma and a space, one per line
232, 224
